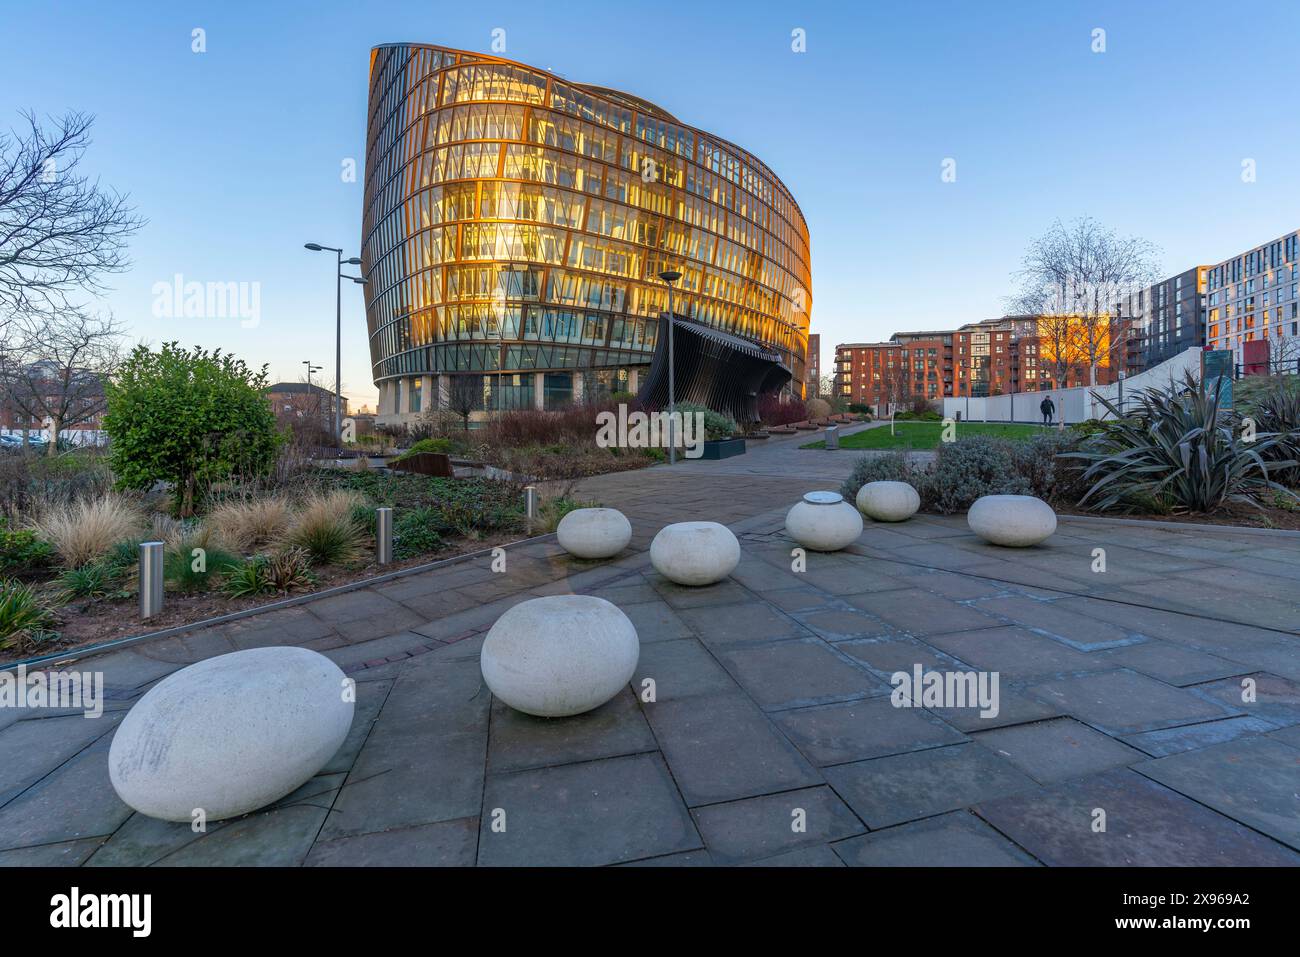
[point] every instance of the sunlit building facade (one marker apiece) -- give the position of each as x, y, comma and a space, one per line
515, 225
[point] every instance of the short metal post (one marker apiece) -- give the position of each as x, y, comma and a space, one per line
151, 578
530, 505
832, 437
383, 536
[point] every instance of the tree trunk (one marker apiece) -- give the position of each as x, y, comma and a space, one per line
56, 423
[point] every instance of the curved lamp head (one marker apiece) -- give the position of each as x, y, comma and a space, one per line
670, 275
314, 247
354, 261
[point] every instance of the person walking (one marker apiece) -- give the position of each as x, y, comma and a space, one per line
1048, 408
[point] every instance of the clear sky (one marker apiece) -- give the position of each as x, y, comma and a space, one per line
235, 155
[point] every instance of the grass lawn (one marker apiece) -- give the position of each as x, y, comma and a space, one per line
925, 435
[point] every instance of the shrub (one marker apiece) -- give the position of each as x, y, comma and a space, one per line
189, 418
247, 579
443, 446
861, 408
21, 549
85, 531
716, 425
1050, 477
25, 621
96, 580
194, 563
416, 532
326, 530
1177, 451
287, 570
891, 467
817, 408
772, 410
968, 469
244, 525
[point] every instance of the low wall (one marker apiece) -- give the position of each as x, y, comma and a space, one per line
1072, 405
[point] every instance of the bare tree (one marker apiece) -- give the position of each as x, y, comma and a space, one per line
57, 369
1283, 354
1072, 276
464, 395
59, 231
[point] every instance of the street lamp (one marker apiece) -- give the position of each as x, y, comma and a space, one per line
310, 396
338, 333
670, 276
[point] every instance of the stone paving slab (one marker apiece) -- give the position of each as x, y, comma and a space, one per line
798, 673
1276, 700
1267, 798
724, 748
1190, 737
1146, 824
956, 839
1125, 702
905, 787
772, 824
1055, 750
520, 741
593, 813
858, 730
1015, 652
445, 844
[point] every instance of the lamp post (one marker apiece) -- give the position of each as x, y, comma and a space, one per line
338, 333
670, 276
310, 369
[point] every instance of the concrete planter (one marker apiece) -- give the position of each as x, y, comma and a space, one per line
888, 501
723, 448
559, 655
695, 553
1016, 521
823, 522
230, 734
594, 532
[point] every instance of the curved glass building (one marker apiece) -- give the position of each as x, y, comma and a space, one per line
515, 224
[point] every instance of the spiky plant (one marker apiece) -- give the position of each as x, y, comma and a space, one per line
25, 620
1278, 413
1176, 451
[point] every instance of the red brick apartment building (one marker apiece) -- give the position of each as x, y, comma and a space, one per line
992, 357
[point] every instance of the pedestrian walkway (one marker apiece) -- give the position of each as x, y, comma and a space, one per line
1164, 691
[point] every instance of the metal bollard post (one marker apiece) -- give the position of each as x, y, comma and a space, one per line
383, 536
151, 578
832, 436
530, 505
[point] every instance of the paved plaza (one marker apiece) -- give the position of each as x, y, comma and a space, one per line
1148, 714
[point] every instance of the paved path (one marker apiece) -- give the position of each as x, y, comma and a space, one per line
772, 737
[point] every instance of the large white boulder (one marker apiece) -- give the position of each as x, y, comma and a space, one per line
559, 655
1014, 520
824, 522
888, 501
695, 553
594, 532
231, 734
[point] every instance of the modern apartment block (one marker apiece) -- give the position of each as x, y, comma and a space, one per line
515, 225
814, 365
992, 357
1162, 320
1252, 298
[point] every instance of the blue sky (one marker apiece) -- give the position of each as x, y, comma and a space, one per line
234, 155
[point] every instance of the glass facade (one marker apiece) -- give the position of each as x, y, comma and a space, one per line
516, 223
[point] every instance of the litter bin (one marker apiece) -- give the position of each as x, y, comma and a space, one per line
832, 436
